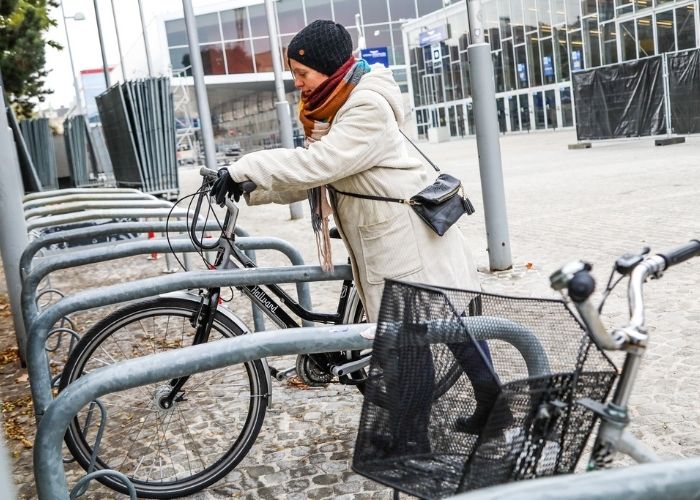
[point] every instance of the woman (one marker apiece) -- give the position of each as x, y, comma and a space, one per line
351, 115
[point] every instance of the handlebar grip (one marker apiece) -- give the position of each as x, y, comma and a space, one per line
207, 172
681, 253
248, 186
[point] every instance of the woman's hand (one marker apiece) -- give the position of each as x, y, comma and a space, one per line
225, 186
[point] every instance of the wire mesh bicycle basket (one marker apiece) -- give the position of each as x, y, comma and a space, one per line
468, 390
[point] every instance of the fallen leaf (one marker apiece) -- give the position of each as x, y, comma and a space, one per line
530, 265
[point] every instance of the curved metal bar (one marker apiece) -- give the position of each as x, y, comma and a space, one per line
59, 220
100, 473
65, 208
673, 479
48, 466
61, 192
27, 205
38, 329
69, 235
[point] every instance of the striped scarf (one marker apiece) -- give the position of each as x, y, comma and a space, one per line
316, 114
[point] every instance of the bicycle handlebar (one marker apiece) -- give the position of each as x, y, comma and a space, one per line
634, 332
209, 174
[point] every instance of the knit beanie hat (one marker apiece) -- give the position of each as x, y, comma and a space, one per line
323, 45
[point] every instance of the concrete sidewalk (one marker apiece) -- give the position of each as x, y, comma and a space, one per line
592, 204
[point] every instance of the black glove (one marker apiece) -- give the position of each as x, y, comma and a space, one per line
225, 186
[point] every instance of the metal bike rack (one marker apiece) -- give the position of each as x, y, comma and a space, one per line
48, 465
80, 206
54, 200
39, 328
60, 220
62, 192
50, 477
672, 479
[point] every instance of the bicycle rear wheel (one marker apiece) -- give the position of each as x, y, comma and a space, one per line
166, 452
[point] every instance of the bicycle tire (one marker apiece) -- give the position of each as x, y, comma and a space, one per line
189, 446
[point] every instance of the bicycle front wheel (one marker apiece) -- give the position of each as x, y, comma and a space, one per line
175, 451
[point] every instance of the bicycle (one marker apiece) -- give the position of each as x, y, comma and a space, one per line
155, 435
538, 424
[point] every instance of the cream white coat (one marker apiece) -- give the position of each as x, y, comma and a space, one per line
364, 152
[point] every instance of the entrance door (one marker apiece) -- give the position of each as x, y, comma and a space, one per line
460, 120
567, 116
470, 118
550, 106
513, 113
538, 106
524, 112
501, 108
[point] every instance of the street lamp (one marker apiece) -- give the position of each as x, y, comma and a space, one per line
78, 16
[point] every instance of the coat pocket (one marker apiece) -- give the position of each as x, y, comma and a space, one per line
389, 249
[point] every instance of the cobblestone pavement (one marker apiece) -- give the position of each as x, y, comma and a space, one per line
563, 205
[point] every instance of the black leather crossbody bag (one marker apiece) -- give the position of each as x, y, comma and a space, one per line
440, 205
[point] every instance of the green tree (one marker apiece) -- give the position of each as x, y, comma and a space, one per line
23, 24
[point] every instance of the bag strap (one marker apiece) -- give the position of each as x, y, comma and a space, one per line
370, 196
419, 150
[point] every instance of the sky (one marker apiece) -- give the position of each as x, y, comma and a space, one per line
85, 47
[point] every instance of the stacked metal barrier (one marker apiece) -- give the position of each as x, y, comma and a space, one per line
39, 141
74, 129
139, 125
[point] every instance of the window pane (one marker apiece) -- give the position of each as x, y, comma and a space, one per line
504, 16
573, 14
516, 21
398, 44
180, 58
378, 36
521, 67
685, 25
588, 7
591, 42
610, 43
208, 28
533, 48
402, 9
263, 54
428, 6
664, 31
576, 52
345, 11
558, 12
629, 41
290, 15
606, 10
239, 57
374, 11
258, 20
547, 52
544, 15
212, 59
508, 65
530, 15
318, 9
645, 36
175, 30
498, 70
561, 55
234, 24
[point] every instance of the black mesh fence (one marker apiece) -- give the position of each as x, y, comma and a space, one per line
684, 91
621, 100
446, 411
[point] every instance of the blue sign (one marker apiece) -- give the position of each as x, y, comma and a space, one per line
548, 67
376, 55
433, 35
576, 60
522, 73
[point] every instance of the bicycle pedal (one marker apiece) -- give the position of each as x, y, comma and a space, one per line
282, 375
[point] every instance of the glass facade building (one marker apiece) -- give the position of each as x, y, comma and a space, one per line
535, 46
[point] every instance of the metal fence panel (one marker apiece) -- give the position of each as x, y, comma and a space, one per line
684, 91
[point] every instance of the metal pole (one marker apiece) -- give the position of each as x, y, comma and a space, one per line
281, 105
105, 68
200, 89
13, 230
487, 142
119, 43
79, 101
145, 41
